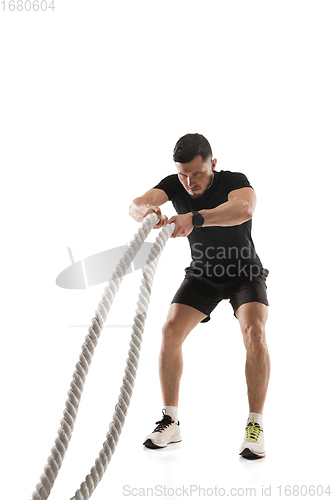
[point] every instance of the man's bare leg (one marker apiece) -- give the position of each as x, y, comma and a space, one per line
252, 319
180, 321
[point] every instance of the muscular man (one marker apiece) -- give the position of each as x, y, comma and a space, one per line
214, 210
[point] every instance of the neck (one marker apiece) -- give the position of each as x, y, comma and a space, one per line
211, 182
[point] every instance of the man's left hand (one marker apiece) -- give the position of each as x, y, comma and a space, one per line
184, 225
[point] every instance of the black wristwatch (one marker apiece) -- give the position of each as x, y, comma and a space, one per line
197, 219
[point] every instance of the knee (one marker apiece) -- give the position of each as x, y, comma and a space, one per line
172, 334
254, 337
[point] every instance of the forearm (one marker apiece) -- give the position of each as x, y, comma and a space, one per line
230, 213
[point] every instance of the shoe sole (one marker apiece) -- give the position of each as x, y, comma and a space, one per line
249, 455
152, 446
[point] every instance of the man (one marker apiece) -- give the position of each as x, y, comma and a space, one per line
214, 212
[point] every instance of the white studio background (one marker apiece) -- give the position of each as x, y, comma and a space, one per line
93, 97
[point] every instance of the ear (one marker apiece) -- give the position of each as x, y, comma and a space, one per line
214, 162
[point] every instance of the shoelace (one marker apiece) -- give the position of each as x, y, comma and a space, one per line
253, 431
163, 424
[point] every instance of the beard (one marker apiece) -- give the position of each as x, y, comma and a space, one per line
198, 195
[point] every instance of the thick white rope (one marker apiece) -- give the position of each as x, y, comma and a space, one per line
54, 462
115, 428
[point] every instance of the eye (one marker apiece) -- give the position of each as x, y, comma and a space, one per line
197, 173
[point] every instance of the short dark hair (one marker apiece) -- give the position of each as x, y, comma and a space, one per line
190, 146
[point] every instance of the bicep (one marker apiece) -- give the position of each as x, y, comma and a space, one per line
245, 194
155, 197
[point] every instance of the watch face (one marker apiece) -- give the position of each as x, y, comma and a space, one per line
198, 220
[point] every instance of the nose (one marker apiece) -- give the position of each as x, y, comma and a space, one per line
190, 182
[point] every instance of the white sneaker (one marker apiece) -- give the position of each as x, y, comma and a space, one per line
166, 432
253, 446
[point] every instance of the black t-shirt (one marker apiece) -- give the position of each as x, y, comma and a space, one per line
218, 253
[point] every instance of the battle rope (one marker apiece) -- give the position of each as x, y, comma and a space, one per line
54, 461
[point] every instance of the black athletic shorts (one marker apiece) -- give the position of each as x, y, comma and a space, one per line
204, 294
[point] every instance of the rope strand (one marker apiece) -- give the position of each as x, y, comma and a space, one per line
97, 471
54, 461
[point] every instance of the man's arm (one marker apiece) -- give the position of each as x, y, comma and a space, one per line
147, 204
238, 209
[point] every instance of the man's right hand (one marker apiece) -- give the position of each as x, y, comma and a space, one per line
139, 211
150, 209
147, 204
